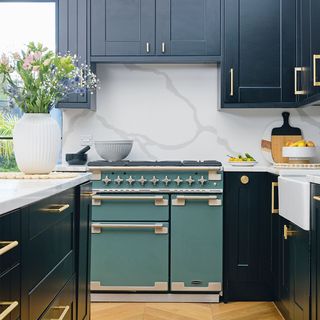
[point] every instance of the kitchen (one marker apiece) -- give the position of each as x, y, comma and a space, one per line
170, 229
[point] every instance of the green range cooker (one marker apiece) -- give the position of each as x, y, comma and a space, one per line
157, 231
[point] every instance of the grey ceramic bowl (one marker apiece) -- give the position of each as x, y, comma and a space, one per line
113, 150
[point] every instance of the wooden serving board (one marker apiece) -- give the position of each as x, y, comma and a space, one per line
277, 143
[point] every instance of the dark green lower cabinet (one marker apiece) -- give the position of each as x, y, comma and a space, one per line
294, 277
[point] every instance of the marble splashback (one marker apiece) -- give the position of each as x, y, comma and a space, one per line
172, 112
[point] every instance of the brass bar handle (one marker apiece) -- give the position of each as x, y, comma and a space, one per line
56, 208
197, 197
158, 228
231, 82
148, 47
274, 210
158, 200
298, 92
163, 47
9, 245
181, 200
316, 57
11, 306
317, 198
62, 315
287, 232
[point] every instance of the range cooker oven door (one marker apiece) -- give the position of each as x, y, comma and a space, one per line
196, 243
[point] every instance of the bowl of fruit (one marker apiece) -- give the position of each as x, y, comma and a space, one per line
300, 151
242, 161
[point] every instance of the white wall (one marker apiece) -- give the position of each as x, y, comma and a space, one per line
171, 112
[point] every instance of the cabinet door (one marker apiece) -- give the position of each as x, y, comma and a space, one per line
196, 242
83, 223
122, 27
73, 38
188, 27
259, 52
247, 237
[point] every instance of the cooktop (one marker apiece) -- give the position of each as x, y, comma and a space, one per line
169, 163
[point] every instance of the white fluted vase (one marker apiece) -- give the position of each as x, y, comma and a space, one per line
36, 142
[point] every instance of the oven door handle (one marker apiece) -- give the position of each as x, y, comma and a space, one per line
158, 200
158, 228
181, 200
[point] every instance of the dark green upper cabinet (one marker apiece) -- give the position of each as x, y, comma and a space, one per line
73, 37
259, 56
155, 31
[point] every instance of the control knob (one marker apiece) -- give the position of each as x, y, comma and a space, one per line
154, 180
190, 181
178, 181
130, 180
166, 180
118, 180
142, 180
202, 180
107, 180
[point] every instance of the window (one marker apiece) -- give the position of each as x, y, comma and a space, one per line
21, 23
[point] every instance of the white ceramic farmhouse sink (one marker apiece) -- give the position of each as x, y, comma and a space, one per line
294, 200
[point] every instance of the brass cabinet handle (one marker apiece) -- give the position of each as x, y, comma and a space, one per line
159, 228
11, 306
181, 200
231, 82
298, 92
287, 232
9, 245
56, 208
317, 198
316, 57
163, 47
158, 200
62, 315
148, 47
244, 179
274, 210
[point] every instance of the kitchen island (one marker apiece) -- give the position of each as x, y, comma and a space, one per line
45, 248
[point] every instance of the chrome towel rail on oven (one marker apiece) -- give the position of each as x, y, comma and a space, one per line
158, 199
180, 200
159, 228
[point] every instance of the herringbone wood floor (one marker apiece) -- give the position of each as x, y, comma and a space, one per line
185, 311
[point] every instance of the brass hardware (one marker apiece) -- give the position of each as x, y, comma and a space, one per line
298, 92
52, 314
9, 245
11, 306
317, 198
56, 208
287, 232
316, 57
273, 209
180, 286
244, 179
159, 228
163, 47
158, 200
214, 175
158, 286
181, 200
148, 47
231, 82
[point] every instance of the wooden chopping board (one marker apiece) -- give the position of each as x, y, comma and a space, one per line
280, 136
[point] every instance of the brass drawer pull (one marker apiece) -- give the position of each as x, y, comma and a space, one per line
274, 185
158, 200
159, 228
181, 200
316, 57
231, 82
317, 198
9, 245
298, 92
244, 179
56, 208
11, 306
51, 313
287, 232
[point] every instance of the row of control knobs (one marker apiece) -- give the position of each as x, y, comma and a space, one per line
154, 180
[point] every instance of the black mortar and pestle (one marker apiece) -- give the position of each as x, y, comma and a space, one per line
79, 158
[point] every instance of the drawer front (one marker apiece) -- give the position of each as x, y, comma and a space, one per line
129, 257
43, 252
63, 307
42, 295
9, 240
129, 207
10, 294
196, 242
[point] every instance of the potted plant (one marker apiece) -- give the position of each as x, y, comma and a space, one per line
36, 80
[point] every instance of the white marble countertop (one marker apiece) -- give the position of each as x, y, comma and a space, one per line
15, 193
314, 178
